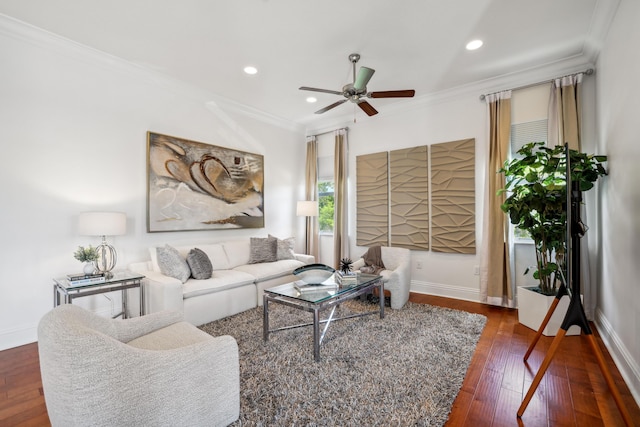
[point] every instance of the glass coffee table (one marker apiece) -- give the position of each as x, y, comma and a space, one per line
318, 298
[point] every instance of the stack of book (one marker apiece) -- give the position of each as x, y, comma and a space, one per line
85, 279
346, 278
305, 288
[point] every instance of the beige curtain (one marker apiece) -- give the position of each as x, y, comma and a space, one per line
565, 112
495, 282
565, 118
340, 230
311, 193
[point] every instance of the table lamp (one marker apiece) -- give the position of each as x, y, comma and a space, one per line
103, 224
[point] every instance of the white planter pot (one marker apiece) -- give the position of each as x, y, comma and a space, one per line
533, 307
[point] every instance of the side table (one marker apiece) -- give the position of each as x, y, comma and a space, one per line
117, 281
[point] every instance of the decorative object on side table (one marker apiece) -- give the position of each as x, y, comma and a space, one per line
88, 256
86, 279
103, 224
314, 273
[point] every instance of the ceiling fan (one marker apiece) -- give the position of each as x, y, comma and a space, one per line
356, 92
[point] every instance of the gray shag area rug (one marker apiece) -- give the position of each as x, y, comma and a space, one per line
405, 369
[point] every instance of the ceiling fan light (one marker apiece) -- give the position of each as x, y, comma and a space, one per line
312, 99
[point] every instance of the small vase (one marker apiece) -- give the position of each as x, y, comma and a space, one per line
89, 268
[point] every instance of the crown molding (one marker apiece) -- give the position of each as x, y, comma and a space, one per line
51, 42
531, 76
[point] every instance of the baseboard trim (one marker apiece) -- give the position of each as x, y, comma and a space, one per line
28, 333
448, 291
621, 356
21, 335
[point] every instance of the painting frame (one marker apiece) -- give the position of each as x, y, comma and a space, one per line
195, 186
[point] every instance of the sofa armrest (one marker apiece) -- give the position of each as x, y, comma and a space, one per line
357, 264
307, 259
162, 292
403, 271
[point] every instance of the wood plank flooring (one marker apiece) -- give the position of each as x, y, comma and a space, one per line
572, 393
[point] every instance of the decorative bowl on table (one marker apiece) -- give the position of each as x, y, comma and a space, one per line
314, 274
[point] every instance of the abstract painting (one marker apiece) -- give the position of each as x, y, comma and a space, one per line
372, 199
453, 197
197, 186
409, 194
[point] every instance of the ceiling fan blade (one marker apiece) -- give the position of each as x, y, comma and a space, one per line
329, 107
393, 94
367, 108
313, 89
364, 75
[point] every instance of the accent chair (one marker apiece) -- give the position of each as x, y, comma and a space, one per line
154, 370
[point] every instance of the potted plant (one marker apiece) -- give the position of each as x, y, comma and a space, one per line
537, 204
89, 256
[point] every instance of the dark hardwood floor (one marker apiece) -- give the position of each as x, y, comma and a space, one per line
572, 393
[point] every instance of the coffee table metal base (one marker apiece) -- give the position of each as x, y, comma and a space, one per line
316, 309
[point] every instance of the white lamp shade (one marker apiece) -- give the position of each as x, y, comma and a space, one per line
102, 223
307, 208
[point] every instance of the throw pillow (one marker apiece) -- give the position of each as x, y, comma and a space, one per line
263, 250
200, 264
172, 264
285, 248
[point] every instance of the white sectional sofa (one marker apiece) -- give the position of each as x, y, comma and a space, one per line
236, 284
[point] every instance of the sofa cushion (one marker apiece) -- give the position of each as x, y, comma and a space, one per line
237, 252
172, 264
199, 264
216, 255
284, 248
263, 249
219, 281
270, 270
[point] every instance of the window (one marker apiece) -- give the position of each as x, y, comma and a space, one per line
325, 206
521, 134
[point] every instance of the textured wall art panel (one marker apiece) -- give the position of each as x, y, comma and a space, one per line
372, 213
453, 225
409, 194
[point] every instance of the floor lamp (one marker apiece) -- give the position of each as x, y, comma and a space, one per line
308, 209
103, 224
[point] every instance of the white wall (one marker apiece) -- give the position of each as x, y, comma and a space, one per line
73, 139
618, 96
458, 117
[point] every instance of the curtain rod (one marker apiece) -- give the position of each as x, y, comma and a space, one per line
329, 131
587, 72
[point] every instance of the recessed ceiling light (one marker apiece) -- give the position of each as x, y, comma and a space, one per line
474, 44
250, 70
311, 99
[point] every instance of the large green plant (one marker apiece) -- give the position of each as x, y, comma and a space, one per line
537, 201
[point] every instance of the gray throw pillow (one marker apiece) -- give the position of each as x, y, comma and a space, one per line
200, 264
263, 250
172, 264
285, 248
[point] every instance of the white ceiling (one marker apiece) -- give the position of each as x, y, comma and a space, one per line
412, 44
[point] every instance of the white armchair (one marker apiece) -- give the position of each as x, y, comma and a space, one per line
396, 275
154, 370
